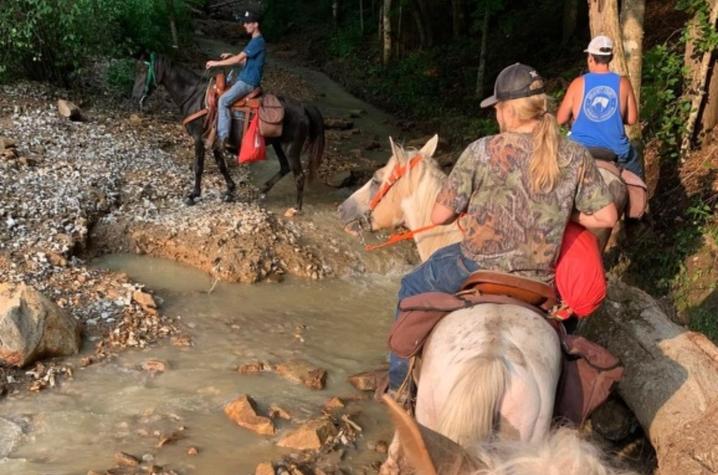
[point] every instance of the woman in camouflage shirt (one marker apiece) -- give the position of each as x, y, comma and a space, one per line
516, 190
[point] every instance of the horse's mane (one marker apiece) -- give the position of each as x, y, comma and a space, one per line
429, 175
562, 452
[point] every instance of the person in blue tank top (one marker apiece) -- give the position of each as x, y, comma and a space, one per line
250, 77
600, 103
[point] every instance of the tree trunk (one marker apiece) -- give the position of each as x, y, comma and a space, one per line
632, 14
419, 25
386, 23
603, 20
361, 16
335, 12
709, 116
671, 378
481, 73
458, 18
397, 39
173, 25
570, 17
697, 65
426, 21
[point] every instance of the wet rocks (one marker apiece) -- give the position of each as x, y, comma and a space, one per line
154, 366
333, 404
613, 420
368, 380
309, 436
125, 459
10, 434
264, 468
303, 372
254, 367
242, 411
277, 412
32, 327
145, 300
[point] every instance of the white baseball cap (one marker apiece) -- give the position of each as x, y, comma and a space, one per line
600, 45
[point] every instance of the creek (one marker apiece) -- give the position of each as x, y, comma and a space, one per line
336, 324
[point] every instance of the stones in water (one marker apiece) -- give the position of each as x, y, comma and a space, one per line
33, 327
10, 434
309, 436
243, 412
264, 468
303, 372
368, 380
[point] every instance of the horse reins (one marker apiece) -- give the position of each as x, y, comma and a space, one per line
397, 173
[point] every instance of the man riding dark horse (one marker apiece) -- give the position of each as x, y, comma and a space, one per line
250, 77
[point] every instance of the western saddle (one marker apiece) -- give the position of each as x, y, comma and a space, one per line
513, 287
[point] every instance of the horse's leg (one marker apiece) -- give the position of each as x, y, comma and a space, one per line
219, 159
283, 167
295, 161
198, 169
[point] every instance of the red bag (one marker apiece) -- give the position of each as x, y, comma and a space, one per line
253, 148
580, 278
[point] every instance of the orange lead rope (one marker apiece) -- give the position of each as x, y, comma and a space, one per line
406, 235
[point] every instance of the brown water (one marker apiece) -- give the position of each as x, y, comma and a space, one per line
336, 324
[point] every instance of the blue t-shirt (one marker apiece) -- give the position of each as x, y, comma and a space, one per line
252, 71
599, 122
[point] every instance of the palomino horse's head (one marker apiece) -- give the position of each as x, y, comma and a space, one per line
378, 202
145, 79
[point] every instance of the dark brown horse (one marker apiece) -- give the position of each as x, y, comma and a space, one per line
303, 125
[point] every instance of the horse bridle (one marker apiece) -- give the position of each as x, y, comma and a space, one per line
150, 79
397, 173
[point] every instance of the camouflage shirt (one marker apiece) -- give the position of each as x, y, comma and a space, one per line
507, 227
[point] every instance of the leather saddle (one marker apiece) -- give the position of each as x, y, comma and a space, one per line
523, 289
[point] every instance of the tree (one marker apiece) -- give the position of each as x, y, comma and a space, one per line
458, 17
604, 19
700, 44
386, 27
481, 73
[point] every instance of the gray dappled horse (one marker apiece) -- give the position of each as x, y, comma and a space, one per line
489, 370
303, 125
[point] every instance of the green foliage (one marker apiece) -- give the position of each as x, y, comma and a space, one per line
706, 38
344, 41
121, 76
662, 108
48, 39
705, 321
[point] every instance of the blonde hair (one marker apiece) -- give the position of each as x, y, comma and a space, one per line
543, 168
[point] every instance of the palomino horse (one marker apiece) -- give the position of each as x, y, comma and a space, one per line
430, 453
489, 370
303, 125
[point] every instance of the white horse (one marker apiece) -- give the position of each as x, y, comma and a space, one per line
487, 371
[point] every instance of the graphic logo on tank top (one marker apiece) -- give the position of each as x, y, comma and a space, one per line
600, 104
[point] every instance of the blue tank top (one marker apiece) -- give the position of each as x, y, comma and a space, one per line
599, 122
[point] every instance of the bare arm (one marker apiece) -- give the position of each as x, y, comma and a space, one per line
605, 217
565, 110
441, 215
229, 61
631, 109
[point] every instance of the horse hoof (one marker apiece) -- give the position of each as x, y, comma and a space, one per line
189, 200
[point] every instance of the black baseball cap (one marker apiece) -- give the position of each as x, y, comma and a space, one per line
249, 17
514, 82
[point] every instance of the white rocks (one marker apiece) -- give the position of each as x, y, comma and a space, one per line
32, 327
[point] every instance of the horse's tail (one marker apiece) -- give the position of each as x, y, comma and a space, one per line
473, 404
315, 145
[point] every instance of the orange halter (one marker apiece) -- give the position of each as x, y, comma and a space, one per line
396, 174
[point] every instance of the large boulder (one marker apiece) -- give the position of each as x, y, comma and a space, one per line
33, 327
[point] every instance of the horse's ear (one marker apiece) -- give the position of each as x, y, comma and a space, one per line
430, 147
395, 150
429, 452
410, 438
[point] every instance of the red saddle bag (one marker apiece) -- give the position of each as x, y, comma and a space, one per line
253, 148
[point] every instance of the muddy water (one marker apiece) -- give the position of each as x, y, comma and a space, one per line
337, 324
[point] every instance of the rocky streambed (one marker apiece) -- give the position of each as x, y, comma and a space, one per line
71, 191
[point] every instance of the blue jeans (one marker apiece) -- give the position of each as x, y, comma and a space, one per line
632, 161
444, 271
224, 121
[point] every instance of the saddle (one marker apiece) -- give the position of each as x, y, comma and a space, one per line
268, 106
635, 187
523, 289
